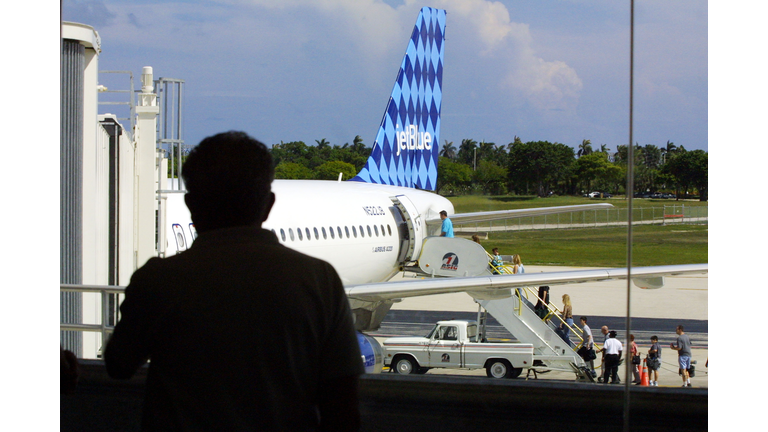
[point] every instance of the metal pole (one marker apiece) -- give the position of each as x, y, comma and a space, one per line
631, 188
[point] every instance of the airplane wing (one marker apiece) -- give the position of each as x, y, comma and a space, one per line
490, 286
475, 217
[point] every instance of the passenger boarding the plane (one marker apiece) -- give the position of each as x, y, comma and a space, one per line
496, 262
447, 228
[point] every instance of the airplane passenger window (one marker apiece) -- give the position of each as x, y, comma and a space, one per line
389, 230
309, 236
339, 228
317, 235
282, 234
298, 231
290, 233
376, 229
369, 231
382, 230
346, 228
325, 235
333, 236
354, 231
362, 233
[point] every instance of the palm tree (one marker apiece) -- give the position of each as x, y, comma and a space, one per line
585, 148
449, 150
359, 147
669, 148
323, 143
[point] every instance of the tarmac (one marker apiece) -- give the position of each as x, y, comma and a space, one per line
681, 298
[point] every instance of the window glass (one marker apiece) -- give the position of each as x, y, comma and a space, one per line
290, 233
339, 228
389, 230
362, 233
325, 234
282, 234
369, 230
309, 236
376, 229
346, 228
298, 231
333, 236
354, 231
317, 235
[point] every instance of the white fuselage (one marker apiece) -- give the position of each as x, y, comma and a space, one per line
352, 225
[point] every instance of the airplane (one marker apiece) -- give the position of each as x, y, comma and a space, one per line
386, 219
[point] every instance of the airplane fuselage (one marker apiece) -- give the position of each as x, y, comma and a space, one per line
354, 226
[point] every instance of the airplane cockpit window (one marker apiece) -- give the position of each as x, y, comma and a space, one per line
282, 234
298, 231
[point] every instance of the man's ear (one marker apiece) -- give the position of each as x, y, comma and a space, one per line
270, 201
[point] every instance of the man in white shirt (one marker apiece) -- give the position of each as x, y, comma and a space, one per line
612, 349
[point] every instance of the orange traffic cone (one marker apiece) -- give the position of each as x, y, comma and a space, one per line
644, 374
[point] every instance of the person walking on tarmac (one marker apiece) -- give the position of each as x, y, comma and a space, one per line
654, 360
612, 350
446, 230
683, 348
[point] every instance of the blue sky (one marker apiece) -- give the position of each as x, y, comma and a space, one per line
309, 69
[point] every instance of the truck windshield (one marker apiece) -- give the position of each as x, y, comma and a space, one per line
432, 332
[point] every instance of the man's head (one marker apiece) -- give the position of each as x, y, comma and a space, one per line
604, 329
443, 214
680, 330
495, 251
228, 178
583, 320
612, 334
654, 338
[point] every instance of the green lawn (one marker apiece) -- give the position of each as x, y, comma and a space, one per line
593, 247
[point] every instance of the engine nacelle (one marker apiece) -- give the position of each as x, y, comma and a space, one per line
370, 350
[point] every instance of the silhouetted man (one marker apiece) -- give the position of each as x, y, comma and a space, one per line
241, 332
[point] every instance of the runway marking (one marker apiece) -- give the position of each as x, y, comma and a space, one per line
693, 289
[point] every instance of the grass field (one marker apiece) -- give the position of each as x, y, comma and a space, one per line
593, 247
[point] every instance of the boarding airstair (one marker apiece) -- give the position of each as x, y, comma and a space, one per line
551, 352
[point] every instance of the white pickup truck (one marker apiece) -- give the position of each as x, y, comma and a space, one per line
453, 344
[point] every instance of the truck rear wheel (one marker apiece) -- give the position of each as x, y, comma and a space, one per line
405, 365
498, 369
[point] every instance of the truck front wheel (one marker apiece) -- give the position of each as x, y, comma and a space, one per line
405, 365
498, 369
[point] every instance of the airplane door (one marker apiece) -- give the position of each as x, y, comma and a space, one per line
415, 226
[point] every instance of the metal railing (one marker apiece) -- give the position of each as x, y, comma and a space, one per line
668, 214
106, 291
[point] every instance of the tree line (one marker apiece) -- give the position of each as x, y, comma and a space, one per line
522, 168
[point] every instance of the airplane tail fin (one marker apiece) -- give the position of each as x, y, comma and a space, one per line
407, 145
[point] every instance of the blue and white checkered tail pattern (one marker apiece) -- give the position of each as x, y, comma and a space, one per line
408, 142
